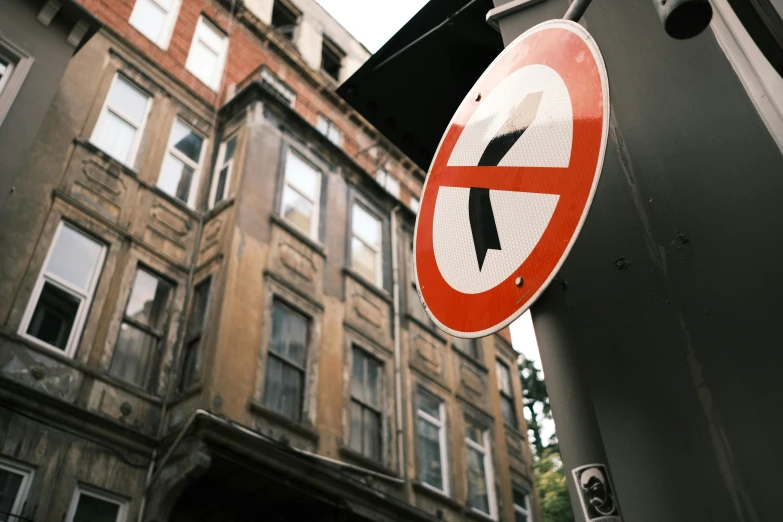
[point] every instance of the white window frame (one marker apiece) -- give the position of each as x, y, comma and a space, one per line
19, 64
489, 472
378, 251
205, 25
522, 509
24, 486
760, 80
441, 425
414, 204
130, 161
85, 297
313, 234
170, 149
80, 489
219, 165
276, 84
383, 177
168, 26
329, 125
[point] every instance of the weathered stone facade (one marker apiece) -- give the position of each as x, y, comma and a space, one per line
209, 446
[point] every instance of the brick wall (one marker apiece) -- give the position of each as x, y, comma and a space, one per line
245, 54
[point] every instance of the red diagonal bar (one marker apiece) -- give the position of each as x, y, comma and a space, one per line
546, 180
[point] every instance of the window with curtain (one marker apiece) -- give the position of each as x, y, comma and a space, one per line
365, 414
155, 19
121, 122
207, 56
142, 330
433, 460
285, 366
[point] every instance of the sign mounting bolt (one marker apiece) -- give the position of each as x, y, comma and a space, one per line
478, 97
519, 281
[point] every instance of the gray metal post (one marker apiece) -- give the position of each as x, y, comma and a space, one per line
569, 395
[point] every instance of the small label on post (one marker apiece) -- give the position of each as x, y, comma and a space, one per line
596, 493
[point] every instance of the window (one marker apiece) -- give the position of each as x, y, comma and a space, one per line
414, 204
466, 346
121, 123
284, 19
155, 19
15, 63
141, 330
280, 89
331, 59
506, 395
61, 297
301, 190
14, 486
389, 182
366, 244
327, 127
89, 505
285, 367
6, 68
433, 459
481, 486
225, 165
207, 55
181, 166
365, 414
192, 354
521, 506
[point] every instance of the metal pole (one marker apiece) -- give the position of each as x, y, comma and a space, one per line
578, 432
576, 10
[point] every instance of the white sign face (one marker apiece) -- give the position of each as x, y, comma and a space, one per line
512, 180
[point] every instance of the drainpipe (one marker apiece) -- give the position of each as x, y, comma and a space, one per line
397, 356
175, 362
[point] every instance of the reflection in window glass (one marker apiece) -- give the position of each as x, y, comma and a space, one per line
300, 194
366, 244
64, 289
142, 329
432, 442
178, 175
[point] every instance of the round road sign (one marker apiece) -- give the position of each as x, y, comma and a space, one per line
512, 180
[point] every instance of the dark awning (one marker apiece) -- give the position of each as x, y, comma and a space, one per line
411, 87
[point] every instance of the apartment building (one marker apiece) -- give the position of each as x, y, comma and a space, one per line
207, 301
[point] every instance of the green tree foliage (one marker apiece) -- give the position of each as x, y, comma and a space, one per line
552, 488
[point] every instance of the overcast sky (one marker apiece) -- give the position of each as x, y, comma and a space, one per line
373, 22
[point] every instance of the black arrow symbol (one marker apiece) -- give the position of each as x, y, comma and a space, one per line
482, 218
